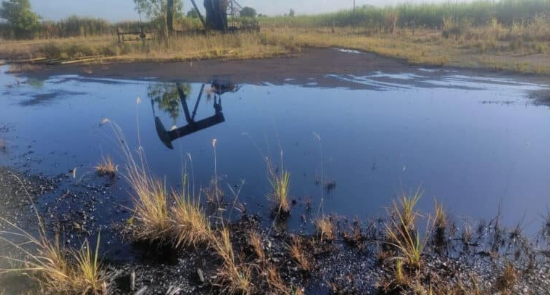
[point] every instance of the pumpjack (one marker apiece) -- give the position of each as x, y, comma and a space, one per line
217, 14
218, 87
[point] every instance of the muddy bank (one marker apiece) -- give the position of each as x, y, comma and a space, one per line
357, 260
311, 63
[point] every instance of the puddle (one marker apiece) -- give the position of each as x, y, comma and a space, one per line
474, 143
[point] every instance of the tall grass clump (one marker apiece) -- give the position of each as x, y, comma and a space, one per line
280, 186
151, 220
191, 226
150, 208
57, 269
401, 231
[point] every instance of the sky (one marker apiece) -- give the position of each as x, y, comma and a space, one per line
118, 10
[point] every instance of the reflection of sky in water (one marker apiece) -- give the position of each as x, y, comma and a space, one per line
469, 155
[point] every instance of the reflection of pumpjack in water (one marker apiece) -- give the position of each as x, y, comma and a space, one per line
218, 88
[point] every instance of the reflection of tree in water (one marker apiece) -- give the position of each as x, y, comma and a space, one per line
165, 95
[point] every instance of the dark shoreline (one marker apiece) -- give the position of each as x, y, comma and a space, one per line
346, 265
311, 63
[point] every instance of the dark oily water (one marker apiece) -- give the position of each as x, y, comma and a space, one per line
473, 143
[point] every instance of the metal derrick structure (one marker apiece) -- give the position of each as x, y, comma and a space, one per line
217, 14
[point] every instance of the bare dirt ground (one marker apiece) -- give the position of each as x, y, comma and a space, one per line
312, 63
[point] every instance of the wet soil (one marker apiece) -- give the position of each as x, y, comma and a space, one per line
311, 63
351, 264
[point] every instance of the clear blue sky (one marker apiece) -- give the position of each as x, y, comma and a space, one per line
116, 10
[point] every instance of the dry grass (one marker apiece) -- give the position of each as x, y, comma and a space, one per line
405, 211
274, 281
297, 252
189, 47
51, 264
150, 207
440, 225
507, 279
402, 234
519, 47
280, 183
191, 225
234, 277
255, 241
90, 268
481, 47
107, 167
325, 229
440, 219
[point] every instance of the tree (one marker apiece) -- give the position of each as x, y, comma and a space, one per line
166, 96
160, 9
248, 12
291, 13
21, 20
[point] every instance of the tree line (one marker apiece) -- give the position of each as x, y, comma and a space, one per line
20, 22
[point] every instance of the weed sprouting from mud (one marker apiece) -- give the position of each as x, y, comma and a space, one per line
298, 254
280, 183
234, 277
325, 229
405, 211
440, 225
274, 280
255, 241
402, 234
90, 268
106, 167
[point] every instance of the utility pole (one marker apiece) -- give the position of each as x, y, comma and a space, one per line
354, 18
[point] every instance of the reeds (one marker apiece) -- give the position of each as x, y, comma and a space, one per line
106, 167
